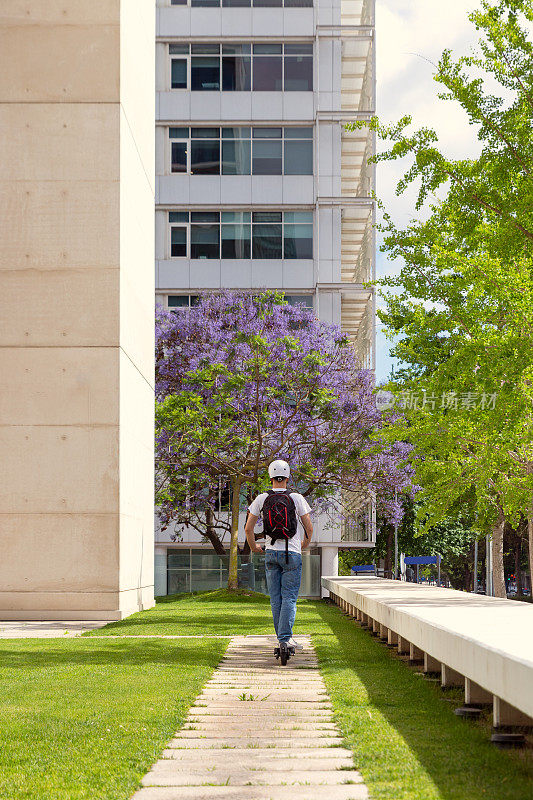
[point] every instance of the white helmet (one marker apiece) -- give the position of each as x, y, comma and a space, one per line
279, 469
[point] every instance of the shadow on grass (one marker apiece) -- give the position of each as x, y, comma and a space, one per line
36, 654
401, 728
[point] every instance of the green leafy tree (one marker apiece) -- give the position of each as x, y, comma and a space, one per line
460, 310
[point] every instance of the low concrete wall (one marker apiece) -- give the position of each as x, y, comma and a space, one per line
482, 642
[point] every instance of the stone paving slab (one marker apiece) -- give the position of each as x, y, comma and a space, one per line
37, 629
241, 753
171, 773
258, 761
236, 741
281, 745
321, 792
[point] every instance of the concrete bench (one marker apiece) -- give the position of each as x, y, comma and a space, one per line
482, 643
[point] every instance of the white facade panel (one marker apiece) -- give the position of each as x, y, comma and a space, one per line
174, 274
298, 21
236, 106
205, 273
268, 190
174, 105
236, 273
297, 189
267, 274
298, 274
205, 106
204, 190
236, 190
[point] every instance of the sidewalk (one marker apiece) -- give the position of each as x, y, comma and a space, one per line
257, 731
35, 629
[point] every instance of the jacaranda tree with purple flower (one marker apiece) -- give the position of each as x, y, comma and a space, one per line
242, 380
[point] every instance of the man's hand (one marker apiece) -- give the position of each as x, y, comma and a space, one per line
257, 549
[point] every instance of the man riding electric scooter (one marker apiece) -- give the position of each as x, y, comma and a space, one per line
286, 516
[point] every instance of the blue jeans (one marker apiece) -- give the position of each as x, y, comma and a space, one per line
283, 583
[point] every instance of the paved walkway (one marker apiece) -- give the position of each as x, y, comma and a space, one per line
36, 629
257, 731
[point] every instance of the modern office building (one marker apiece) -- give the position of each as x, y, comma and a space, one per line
259, 184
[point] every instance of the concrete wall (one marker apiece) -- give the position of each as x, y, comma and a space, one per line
76, 289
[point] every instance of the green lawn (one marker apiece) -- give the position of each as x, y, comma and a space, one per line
85, 718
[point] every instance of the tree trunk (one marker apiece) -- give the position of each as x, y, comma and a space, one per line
517, 560
498, 574
234, 543
211, 534
530, 544
388, 553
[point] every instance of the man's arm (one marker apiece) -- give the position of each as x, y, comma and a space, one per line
250, 535
308, 527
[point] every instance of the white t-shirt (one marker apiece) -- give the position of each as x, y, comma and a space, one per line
302, 508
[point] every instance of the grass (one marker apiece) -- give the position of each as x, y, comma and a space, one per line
405, 738
86, 719
194, 614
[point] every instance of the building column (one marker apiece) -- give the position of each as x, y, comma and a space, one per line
330, 563
77, 294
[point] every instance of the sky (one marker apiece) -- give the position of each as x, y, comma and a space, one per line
410, 34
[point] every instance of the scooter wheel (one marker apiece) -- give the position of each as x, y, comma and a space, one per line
284, 655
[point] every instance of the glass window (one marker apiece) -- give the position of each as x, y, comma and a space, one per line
179, 157
179, 49
205, 73
266, 157
236, 2
266, 216
267, 133
178, 2
299, 216
236, 73
236, 216
270, 49
178, 216
205, 216
178, 242
298, 133
235, 240
305, 300
298, 157
205, 49
298, 3
297, 241
299, 48
235, 157
298, 74
266, 241
267, 3
178, 77
205, 241
267, 73
179, 301
205, 157
208, 3
236, 133
178, 133
205, 133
